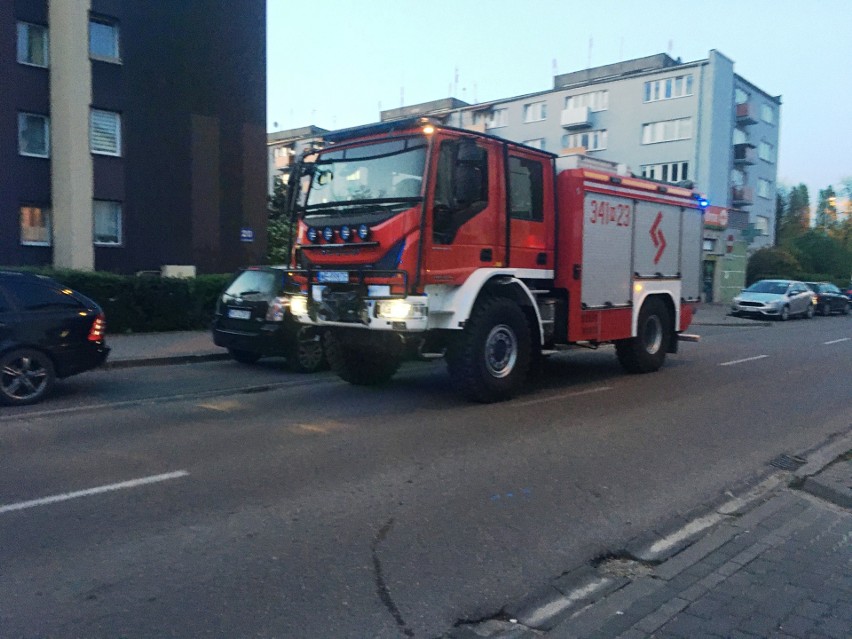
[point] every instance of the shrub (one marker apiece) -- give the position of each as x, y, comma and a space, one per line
140, 304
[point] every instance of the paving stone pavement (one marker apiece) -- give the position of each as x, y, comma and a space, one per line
781, 567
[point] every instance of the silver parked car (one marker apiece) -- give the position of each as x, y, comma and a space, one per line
780, 299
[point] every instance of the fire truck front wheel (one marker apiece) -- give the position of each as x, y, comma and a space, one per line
646, 352
489, 360
363, 362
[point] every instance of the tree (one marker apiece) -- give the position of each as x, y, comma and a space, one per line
772, 262
826, 212
279, 230
797, 216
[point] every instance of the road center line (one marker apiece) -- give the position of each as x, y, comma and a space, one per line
133, 483
599, 389
740, 361
837, 341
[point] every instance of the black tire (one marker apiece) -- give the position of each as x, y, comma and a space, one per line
307, 354
26, 376
363, 362
490, 359
826, 309
784, 315
646, 352
845, 309
243, 357
810, 312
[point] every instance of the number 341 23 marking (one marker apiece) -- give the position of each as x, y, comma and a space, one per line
606, 213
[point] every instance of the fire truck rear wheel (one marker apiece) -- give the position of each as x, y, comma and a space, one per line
646, 352
490, 359
363, 363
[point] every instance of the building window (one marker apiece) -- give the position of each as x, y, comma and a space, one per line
761, 225
740, 136
32, 44
668, 88
764, 188
589, 140
666, 131
35, 226
767, 114
537, 143
103, 40
766, 151
105, 132
737, 177
34, 135
740, 96
709, 244
497, 118
107, 218
596, 101
535, 111
666, 172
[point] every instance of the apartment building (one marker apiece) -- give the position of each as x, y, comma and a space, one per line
283, 148
132, 134
667, 120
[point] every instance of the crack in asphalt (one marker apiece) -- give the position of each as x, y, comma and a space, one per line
381, 586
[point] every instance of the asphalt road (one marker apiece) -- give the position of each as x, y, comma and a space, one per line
252, 502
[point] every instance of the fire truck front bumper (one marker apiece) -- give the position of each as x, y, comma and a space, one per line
326, 307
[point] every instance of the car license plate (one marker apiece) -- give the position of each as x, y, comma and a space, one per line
239, 313
337, 277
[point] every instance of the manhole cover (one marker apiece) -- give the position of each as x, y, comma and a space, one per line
788, 462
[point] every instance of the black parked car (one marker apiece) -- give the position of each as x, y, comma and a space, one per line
829, 298
253, 320
47, 331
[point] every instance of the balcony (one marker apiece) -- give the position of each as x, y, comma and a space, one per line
742, 196
576, 118
746, 114
744, 153
283, 160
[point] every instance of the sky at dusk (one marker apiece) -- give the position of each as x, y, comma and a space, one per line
337, 63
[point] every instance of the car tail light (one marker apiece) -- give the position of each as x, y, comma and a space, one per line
96, 333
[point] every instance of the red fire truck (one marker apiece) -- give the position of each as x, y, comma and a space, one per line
488, 252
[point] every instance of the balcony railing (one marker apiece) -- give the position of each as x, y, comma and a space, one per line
744, 153
742, 196
745, 114
576, 117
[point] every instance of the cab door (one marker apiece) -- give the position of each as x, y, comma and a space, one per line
530, 204
466, 223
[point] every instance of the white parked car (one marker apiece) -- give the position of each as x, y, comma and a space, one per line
780, 299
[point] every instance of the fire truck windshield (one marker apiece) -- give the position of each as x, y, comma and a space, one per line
387, 171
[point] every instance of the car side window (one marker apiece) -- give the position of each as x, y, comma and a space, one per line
30, 296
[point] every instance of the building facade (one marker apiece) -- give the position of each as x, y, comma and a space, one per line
698, 122
122, 144
283, 149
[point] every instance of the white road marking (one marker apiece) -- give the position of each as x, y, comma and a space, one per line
837, 341
541, 400
133, 483
740, 361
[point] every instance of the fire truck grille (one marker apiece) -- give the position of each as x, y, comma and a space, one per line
342, 306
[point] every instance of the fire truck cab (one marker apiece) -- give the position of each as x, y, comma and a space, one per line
489, 252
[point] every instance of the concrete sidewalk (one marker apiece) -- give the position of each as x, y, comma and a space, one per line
141, 349
776, 562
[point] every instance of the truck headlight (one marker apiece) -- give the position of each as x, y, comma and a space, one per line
399, 310
299, 305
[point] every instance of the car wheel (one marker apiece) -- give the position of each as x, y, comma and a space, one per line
307, 354
243, 357
26, 376
826, 309
845, 309
785, 314
810, 312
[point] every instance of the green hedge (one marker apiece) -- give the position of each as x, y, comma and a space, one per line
143, 304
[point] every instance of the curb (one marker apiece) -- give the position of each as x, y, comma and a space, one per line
734, 325
163, 361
